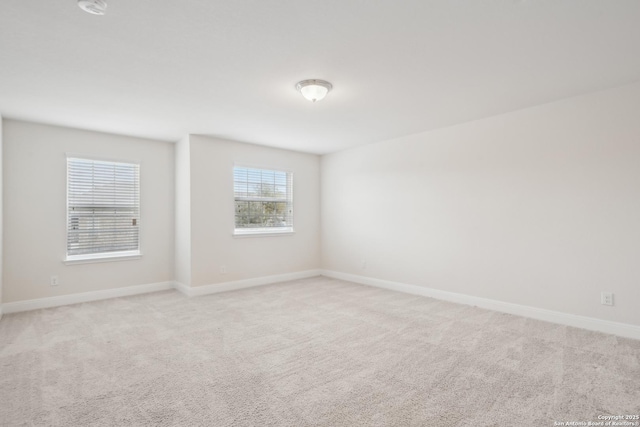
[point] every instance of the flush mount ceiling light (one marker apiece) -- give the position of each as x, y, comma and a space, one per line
314, 89
94, 7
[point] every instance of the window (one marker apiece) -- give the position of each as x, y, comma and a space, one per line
263, 201
103, 209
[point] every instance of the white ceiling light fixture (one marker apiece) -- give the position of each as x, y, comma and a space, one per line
314, 89
94, 7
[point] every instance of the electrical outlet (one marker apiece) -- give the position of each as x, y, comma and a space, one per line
363, 263
606, 298
54, 281
223, 269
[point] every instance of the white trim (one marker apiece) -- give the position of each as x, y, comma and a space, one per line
82, 156
266, 168
264, 232
182, 288
194, 291
267, 233
35, 304
590, 323
102, 257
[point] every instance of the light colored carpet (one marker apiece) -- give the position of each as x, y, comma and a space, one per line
314, 352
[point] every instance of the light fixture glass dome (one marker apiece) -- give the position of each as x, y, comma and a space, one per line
94, 7
314, 89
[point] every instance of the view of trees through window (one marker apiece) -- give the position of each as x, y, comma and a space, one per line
263, 198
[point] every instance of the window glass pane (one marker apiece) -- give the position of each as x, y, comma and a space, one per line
263, 199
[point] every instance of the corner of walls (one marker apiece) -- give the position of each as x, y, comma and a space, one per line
182, 246
213, 245
1, 214
200, 184
196, 291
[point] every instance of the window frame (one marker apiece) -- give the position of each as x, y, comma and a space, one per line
263, 231
101, 256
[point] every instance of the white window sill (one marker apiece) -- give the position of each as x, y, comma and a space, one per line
263, 232
116, 256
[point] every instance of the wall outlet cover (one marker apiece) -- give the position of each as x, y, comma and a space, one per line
606, 298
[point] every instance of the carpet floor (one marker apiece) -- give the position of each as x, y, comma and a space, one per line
313, 352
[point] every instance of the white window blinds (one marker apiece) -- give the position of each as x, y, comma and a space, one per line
103, 207
263, 200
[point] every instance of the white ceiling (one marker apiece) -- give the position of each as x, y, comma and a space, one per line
165, 68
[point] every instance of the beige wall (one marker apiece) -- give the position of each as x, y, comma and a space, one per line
35, 214
212, 214
540, 207
537, 207
186, 236
183, 212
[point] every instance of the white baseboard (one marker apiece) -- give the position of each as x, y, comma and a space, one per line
193, 291
590, 323
35, 304
181, 287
